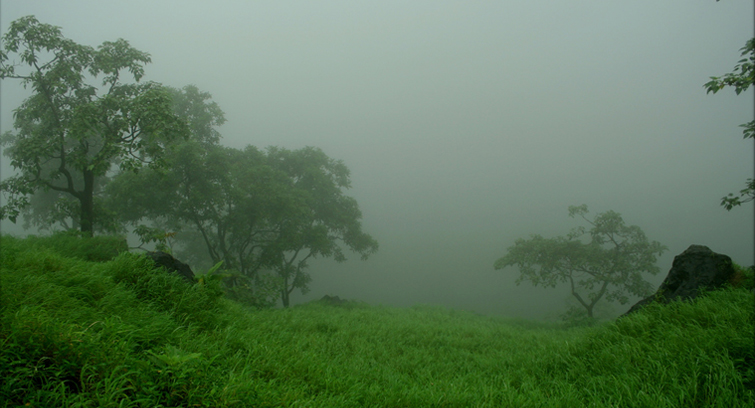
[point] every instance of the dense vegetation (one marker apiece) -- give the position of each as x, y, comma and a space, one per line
85, 326
85, 323
96, 150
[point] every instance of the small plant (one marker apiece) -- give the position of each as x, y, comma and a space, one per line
212, 281
158, 236
211, 275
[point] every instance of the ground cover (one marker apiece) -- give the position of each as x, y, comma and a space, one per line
102, 330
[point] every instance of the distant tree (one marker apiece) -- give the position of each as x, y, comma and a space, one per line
611, 264
70, 132
741, 78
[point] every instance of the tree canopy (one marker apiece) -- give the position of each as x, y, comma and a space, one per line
319, 220
253, 210
610, 265
74, 127
262, 213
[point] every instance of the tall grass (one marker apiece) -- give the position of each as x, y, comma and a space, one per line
78, 333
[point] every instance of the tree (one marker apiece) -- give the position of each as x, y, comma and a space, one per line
53, 210
199, 111
320, 218
255, 211
70, 132
741, 78
611, 264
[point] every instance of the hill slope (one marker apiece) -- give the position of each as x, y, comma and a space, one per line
82, 327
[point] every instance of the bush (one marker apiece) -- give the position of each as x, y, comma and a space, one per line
743, 277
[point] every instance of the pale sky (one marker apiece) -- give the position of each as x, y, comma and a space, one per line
466, 124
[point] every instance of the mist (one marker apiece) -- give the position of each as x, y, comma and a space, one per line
465, 125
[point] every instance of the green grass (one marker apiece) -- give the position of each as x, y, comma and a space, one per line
113, 333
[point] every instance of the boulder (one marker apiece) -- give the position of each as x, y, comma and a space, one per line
332, 300
696, 268
165, 260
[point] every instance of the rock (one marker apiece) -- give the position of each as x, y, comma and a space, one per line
171, 264
332, 300
695, 268
336, 301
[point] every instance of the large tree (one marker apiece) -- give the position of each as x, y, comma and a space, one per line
256, 211
53, 210
608, 260
319, 219
81, 118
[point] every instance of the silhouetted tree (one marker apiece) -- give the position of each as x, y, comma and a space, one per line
255, 211
611, 264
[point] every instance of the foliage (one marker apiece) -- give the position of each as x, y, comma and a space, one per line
75, 337
254, 210
158, 236
169, 292
50, 210
201, 113
320, 218
741, 78
743, 277
151, 189
610, 265
71, 336
70, 131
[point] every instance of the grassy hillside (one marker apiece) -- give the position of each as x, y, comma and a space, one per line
81, 326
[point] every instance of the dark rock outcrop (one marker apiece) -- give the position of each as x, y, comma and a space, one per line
165, 260
336, 301
332, 300
696, 268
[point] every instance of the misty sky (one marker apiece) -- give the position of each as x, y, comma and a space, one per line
466, 124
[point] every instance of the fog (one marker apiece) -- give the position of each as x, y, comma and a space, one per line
465, 125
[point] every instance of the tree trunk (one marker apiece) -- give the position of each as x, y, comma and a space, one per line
87, 204
284, 295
